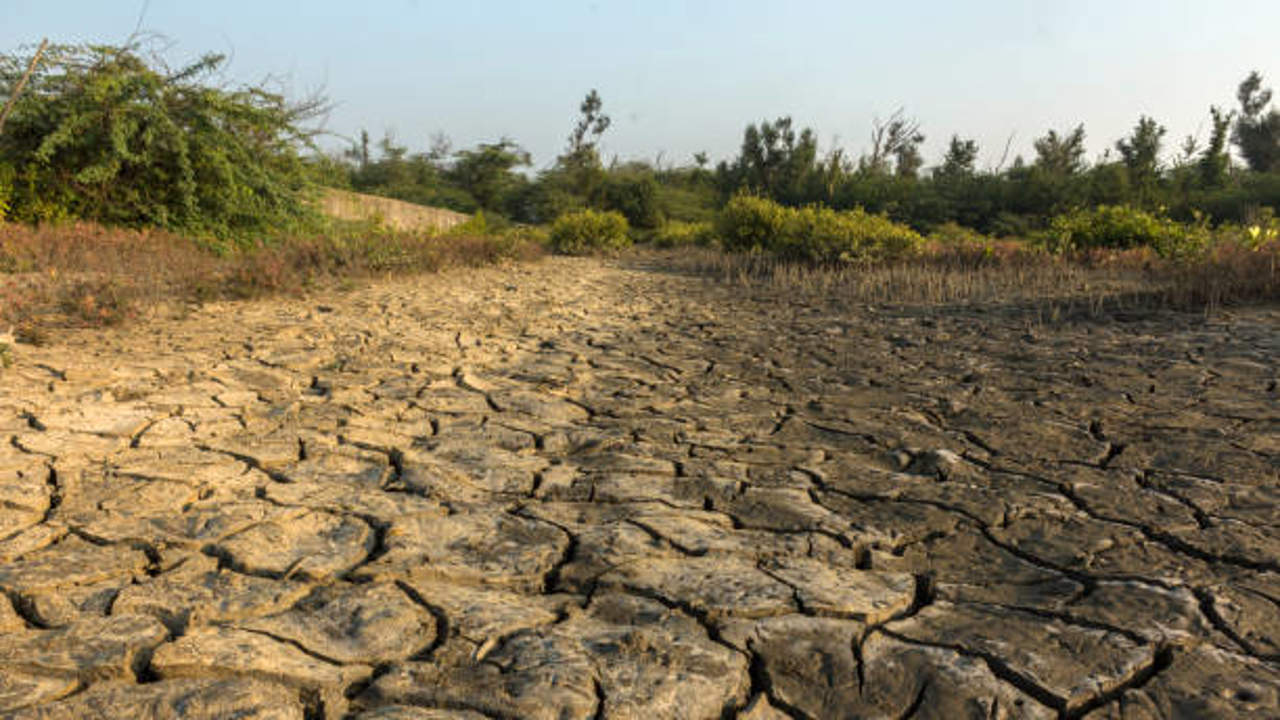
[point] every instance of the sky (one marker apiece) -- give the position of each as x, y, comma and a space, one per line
683, 77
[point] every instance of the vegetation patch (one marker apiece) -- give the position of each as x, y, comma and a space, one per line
587, 232
1120, 227
107, 134
676, 233
813, 233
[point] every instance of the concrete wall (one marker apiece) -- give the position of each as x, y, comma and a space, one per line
393, 213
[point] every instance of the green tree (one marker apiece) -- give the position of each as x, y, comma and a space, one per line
899, 138
1214, 161
1061, 155
775, 161
961, 159
907, 158
1257, 131
1140, 153
580, 163
487, 171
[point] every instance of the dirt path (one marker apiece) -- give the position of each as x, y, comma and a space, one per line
584, 489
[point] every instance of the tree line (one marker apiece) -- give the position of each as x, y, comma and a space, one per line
112, 134
782, 162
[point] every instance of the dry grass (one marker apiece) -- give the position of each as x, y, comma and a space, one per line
1010, 273
87, 275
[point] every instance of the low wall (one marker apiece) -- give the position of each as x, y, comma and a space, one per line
396, 214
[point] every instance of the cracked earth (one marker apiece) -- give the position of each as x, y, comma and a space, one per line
594, 489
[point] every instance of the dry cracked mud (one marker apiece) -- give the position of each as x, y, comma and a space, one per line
598, 489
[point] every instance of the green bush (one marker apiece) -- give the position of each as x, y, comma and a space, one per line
751, 224
105, 134
820, 234
588, 231
814, 233
636, 197
682, 234
1120, 227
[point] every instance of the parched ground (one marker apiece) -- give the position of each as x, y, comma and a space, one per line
595, 489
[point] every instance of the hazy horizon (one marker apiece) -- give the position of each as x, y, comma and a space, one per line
678, 78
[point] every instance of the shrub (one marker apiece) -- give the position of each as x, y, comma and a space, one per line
588, 231
103, 133
823, 235
521, 242
1120, 227
97, 303
682, 234
752, 224
477, 224
814, 234
636, 197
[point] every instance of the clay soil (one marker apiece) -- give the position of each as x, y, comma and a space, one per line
589, 488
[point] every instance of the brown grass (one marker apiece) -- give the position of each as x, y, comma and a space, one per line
1011, 273
84, 274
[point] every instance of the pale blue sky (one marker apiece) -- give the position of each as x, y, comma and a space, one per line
679, 77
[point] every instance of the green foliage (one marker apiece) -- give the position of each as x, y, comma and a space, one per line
543, 201
961, 159
486, 172
683, 234
898, 138
1257, 131
687, 203
1061, 155
812, 233
774, 161
635, 195
477, 224
422, 178
1214, 162
104, 134
751, 224
1141, 156
1120, 227
588, 231
6, 189
580, 167
820, 234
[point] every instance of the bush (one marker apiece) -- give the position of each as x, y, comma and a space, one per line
636, 197
682, 234
814, 233
751, 224
1120, 227
105, 134
589, 231
823, 235
521, 242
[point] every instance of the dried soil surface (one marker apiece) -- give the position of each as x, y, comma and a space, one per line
596, 489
